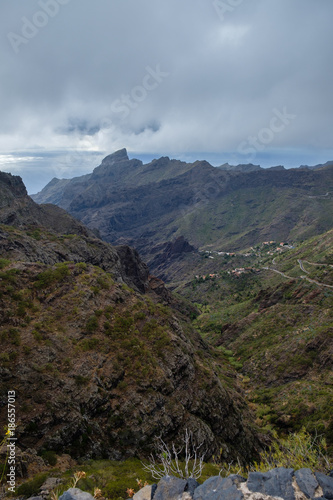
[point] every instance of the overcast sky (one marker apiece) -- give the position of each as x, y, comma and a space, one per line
233, 81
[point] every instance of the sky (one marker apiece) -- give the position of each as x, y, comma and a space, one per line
238, 81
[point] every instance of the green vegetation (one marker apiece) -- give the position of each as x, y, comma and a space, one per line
51, 276
49, 456
277, 332
270, 337
115, 478
36, 234
4, 263
92, 324
31, 488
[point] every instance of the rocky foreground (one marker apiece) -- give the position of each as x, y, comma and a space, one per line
280, 483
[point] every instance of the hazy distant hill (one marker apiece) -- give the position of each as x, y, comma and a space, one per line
219, 208
240, 168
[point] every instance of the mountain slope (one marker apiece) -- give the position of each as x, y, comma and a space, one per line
274, 319
99, 368
149, 205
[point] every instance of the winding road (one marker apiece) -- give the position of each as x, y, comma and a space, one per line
301, 266
299, 277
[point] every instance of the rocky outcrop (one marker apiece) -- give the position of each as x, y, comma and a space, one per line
75, 494
18, 209
11, 186
50, 235
101, 370
55, 191
277, 484
172, 249
161, 256
135, 270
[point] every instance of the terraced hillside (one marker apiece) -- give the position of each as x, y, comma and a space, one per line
273, 319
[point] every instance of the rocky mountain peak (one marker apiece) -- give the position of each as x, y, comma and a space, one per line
120, 155
115, 165
160, 162
11, 186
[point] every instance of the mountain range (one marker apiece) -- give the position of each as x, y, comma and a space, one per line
151, 205
104, 357
233, 241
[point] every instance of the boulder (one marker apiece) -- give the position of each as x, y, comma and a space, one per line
326, 484
275, 483
144, 494
306, 482
217, 488
76, 494
171, 488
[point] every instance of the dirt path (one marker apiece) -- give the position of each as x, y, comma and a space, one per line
299, 277
316, 264
321, 195
301, 266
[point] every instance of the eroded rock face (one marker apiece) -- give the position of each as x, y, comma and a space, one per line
102, 370
133, 266
41, 243
11, 186
169, 251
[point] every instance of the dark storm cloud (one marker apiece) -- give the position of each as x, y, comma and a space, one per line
165, 75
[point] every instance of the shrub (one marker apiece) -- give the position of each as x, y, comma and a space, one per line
4, 263
92, 324
50, 457
38, 336
50, 276
168, 460
81, 266
31, 488
139, 315
15, 336
89, 344
36, 234
80, 380
296, 451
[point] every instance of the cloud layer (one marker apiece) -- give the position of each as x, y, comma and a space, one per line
160, 76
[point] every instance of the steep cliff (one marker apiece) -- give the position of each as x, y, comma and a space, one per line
99, 368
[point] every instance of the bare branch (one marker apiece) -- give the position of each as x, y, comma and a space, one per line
168, 460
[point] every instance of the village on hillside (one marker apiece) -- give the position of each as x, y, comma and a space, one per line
272, 248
